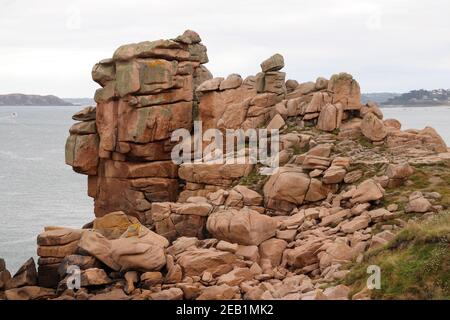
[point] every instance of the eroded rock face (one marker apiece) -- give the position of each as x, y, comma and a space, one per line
147, 93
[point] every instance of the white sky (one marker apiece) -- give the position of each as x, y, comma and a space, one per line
49, 47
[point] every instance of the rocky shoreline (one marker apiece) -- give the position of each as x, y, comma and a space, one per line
205, 231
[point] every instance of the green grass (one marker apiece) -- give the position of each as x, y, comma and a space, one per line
426, 178
299, 150
366, 143
254, 180
414, 265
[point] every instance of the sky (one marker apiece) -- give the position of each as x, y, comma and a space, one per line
49, 47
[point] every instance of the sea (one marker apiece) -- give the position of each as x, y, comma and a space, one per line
38, 189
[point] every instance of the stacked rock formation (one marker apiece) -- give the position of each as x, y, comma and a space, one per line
123, 144
224, 231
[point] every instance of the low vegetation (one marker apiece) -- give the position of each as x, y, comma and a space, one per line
414, 265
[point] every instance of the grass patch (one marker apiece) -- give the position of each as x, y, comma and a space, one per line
255, 180
414, 265
426, 178
366, 143
299, 150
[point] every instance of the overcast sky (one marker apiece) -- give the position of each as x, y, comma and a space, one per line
49, 47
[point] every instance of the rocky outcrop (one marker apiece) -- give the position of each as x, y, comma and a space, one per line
147, 93
207, 230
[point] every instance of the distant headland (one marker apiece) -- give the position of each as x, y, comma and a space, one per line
413, 98
18, 99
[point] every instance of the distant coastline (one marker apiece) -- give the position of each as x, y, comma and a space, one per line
19, 99
33, 100
424, 105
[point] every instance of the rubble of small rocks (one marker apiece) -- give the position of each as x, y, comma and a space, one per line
196, 231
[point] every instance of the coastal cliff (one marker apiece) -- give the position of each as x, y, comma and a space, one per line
350, 189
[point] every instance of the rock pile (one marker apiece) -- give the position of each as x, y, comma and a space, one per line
224, 231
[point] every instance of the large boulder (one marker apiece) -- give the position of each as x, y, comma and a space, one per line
245, 226
418, 203
274, 63
272, 249
398, 173
114, 224
368, 190
195, 262
345, 90
289, 187
132, 254
25, 276
330, 117
82, 153
98, 246
373, 128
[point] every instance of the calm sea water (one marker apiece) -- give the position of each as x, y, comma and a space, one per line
420, 117
38, 189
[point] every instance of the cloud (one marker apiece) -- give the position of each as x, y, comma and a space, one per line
398, 45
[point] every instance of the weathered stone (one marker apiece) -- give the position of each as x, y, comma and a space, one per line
25, 276
82, 153
132, 254
272, 249
58, 251
333, 174
288, 187
373, 128
195, 262
250, 197
303, 255
29, 293
149, 124
83, 128
94, 277
368, 190
114, 224
85, 114
353, 176
222, 292
329, 118
189, 37
169, 294
274, 63
355, 224
345, 90
210, 85
339, 292
276, 123
151, 278
227, 246
398, 173
83, 262
59, 236
248, 252
231, 82
243, 226
418, 203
